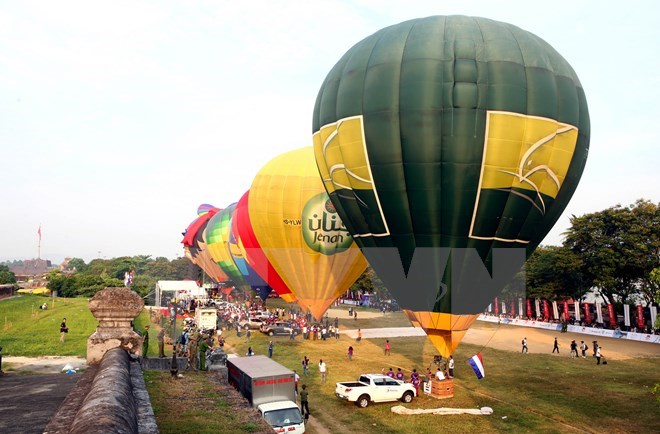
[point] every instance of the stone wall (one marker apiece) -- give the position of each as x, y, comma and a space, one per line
108, 398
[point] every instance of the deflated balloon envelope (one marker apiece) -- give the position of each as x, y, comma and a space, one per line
449, 132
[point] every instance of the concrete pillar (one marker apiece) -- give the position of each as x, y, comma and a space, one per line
114, 308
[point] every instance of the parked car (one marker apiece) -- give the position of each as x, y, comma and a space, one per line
278, 328
375, 388
251, 323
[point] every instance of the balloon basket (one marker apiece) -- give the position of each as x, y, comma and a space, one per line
440, 389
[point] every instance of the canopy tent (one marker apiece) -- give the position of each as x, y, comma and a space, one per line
168, 289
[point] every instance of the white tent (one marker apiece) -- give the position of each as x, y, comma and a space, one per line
168, 289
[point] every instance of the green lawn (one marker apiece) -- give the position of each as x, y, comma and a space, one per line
529, 393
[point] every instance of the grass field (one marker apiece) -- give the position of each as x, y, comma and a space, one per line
529, 393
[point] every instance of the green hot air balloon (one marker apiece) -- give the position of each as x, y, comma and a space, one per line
449, 132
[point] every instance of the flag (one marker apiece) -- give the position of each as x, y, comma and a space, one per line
39, 232
477, 365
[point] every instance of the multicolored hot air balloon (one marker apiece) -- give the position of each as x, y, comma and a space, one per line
449, 132
216, 236
241, 227
238, 254
195, 247
300, 232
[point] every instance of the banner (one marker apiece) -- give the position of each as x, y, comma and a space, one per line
520, 308
587, 313
490, 307
599, 313
555, 310
512, 309
566, 316
640, 317
546, 309
626, 314
497, 308
577, 311
654, 314
610, 312
529, 309
537, 304
655, 339
503, 308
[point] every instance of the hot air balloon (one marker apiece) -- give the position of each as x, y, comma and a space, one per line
238, 254
216, 236
195, 247
241, 227
300, 232
449, 133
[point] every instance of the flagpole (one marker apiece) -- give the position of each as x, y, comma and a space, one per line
39, 244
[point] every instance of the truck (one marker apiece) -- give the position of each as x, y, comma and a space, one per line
206, 317
375, 388
270, 388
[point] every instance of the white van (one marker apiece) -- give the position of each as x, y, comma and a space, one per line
283, 416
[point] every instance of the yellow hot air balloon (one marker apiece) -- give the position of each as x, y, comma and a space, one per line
301, 233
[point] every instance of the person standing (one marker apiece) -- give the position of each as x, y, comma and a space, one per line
323, 370
359, 335
524, 346
583, 348
296, 379
64, 329
270, 349
203, 346
390, 373
451, 367
304, 401
414, 379
388, 347
305, 365
598, 355
399, 374
350, 353
145, 342
555, 347
355, 315
161, 342
248, 334
574, 352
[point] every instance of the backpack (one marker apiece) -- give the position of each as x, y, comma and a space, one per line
522, 342
586, 347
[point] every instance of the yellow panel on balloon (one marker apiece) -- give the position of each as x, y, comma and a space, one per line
300, 231
526, 152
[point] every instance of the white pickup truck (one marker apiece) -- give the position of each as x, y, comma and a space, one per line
375, 388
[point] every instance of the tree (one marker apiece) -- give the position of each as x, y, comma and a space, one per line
554, 272
371, 283
77, 264
6, 276
618, 247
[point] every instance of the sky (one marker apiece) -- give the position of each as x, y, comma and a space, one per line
117, 119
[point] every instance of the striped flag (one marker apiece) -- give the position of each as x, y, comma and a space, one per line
39, 232
477, 365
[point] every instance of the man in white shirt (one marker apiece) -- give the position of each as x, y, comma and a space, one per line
440, 375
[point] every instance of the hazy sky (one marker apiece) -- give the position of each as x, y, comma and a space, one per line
117, 119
